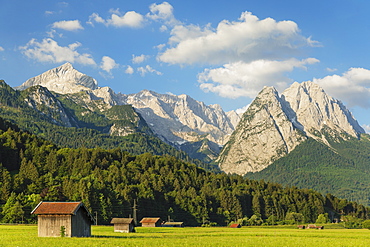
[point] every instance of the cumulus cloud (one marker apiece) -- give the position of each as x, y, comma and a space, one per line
162, 12
148, 69
246, 40
68, 25
139, 59
129, 70
129, 19
48, 50
239, 79
107, 64
352, 87
1, 49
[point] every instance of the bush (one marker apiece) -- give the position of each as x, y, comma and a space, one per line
322, 219
366, 224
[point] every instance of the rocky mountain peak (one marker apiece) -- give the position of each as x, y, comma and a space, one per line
274, 125
313, 110
63, 79
263, 135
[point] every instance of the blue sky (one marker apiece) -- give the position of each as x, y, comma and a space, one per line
218, 52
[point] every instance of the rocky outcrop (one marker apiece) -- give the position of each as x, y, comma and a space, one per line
273, 126
311, 110
41, 99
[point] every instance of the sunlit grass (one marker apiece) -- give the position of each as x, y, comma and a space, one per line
26, 235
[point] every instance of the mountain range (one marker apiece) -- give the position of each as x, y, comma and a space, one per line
275, 125
175, 119
302, 137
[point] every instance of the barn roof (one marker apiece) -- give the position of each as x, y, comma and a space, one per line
60, 208
235, 225
122, 220
150, 220
173, 223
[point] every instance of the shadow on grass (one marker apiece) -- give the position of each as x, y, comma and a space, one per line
128, 236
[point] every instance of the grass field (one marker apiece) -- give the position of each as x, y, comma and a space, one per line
26, 235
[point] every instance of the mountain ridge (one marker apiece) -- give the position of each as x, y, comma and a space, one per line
175, 119
274, 125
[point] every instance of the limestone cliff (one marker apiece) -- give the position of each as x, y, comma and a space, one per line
263, 135
273, 126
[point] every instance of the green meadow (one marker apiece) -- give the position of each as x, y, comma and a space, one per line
26, 235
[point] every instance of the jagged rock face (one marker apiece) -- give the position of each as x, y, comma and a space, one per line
179, 119
63, 79
263, 135
273, 126
42, 100
311, 109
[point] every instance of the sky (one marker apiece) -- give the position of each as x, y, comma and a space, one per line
218, 52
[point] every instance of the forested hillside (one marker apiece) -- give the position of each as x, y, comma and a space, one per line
342, 170
108, 181
90, 128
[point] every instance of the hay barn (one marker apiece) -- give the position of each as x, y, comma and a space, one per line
123, 224
55, 219
150, 222
173, 224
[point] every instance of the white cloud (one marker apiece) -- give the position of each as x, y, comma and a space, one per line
247, 39
139, 59
129, 70
331, 70
129, 19
115, 11
48, 12
107, 64
2, 49
352, 87
48, 50
147, 69
240, 79
366, 127
68, 25
94, 17
242, 110
162, 12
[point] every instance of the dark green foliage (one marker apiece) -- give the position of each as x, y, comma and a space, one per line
202, 150
108, 181
366, 224
342, 170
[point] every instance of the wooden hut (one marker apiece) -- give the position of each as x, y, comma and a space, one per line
123, 224
150, 222
173, 224
235, 225
69, 219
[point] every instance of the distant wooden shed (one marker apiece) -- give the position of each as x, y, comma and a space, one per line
123, 224
173, 224
150, 222
71, 219
236, 225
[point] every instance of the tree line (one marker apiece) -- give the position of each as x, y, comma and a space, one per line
108, 181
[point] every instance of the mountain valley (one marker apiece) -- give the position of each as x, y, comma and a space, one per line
302, 138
